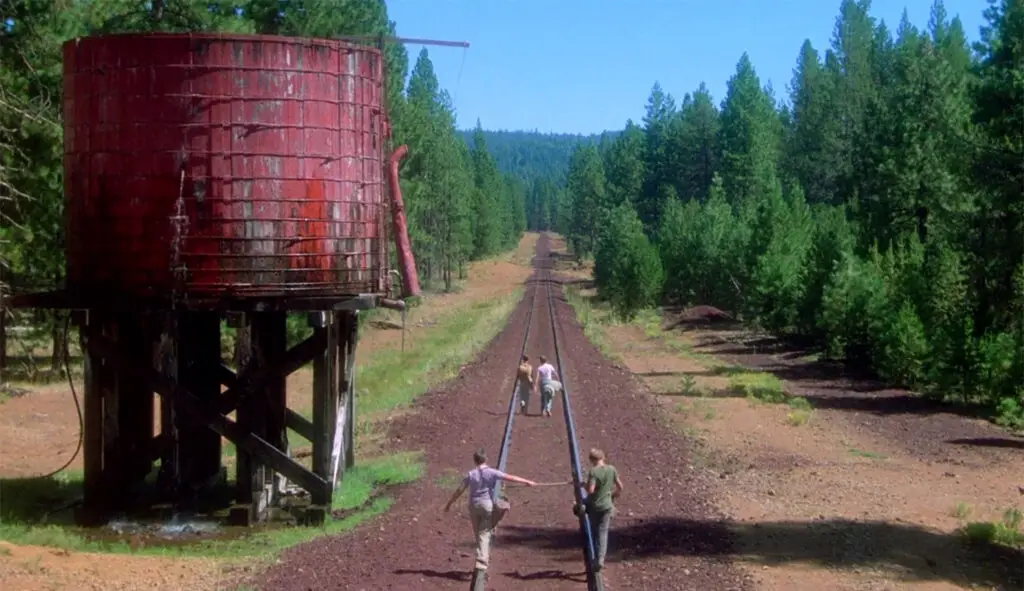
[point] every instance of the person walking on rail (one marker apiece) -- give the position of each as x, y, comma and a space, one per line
547, 381
525, 378
483, 513
603, 487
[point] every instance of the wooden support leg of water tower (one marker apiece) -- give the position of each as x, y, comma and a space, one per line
349, 325
198, 370
261, 413
135, 406
325, 413
97, 379
274, 346
166, 361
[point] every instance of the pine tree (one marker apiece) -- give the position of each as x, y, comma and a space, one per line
586, 189
696, 143
999, 111
751, 134
488, 216
627, 268
812, 150
657, 122
625, 166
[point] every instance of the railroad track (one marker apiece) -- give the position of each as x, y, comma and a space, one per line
542, 295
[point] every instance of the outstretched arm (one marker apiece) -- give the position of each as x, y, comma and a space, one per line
455, 496
512, 478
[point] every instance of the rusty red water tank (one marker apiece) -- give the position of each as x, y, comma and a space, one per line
223, 165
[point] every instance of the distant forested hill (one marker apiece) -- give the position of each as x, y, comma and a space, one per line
531, 155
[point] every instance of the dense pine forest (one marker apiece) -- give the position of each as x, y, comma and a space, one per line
460, 206
876, 210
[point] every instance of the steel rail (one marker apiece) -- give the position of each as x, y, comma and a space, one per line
595, 582
542, 275
506, 440
479, 579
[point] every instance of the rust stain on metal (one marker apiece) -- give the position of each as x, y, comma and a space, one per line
282, 190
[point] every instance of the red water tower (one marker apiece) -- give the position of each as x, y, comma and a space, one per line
205, 165
211, 175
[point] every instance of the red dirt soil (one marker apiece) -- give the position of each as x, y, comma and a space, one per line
666, 536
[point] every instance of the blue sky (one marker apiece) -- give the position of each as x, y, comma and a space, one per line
581, 67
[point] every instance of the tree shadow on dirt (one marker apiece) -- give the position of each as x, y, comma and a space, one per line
900, 551
1000, 442
35, 500
834, 385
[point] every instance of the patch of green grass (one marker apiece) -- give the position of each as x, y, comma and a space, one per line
688, 387
797, 418
388, 379
592, 316
871, 455
450, 478
363, 481
1005, 532
650, 321
962, 510
729, 370
699, 408
24, 519
759, 386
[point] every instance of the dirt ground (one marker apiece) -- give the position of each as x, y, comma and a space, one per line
665, 536
867, 491
38, 569
39, 432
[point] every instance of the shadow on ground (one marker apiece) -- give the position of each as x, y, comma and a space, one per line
829, 384
1000, 442
899, 551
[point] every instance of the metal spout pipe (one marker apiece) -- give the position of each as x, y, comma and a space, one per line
406, 263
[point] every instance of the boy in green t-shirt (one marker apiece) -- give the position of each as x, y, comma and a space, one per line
603, 487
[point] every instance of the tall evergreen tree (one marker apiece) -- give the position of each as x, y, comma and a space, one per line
751, 135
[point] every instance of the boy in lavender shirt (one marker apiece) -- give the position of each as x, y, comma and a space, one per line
481, 481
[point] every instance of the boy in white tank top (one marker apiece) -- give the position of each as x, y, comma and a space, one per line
547, 381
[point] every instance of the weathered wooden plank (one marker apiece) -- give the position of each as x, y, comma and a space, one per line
256, 374
135, 403
349, 387
255, 445
92, 441
325, 401
199, 361
113, 477
300, 425
270, 351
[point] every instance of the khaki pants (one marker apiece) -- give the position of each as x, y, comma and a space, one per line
482, 517
525, 389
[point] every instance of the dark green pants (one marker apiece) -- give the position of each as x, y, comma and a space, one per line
600, 522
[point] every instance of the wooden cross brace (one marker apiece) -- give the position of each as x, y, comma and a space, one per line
240, 386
